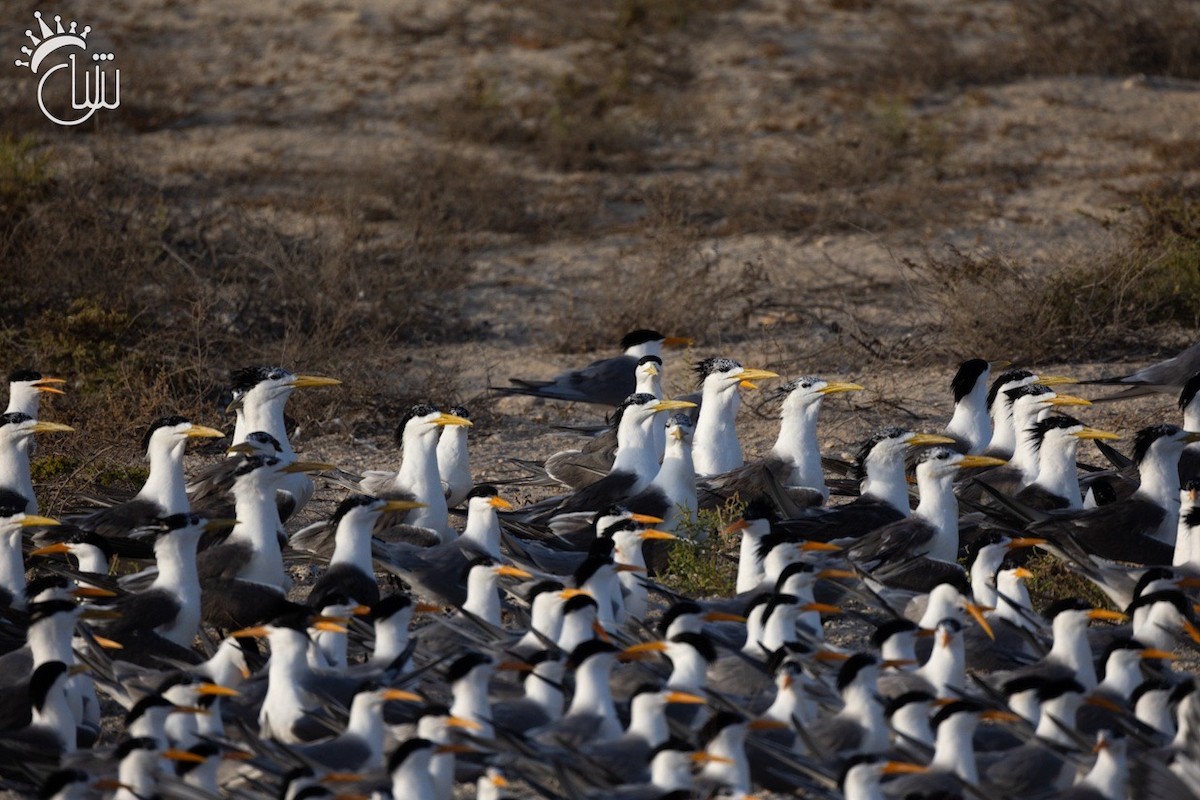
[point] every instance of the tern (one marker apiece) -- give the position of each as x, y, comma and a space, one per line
605, 382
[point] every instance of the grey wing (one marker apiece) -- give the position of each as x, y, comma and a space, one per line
343, 754
836, 734
1027, 771
577, 468
606, 382
891, 542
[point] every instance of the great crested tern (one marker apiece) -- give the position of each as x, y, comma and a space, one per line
454, 466
1140, 528
418, 477
634, 466
260, 394
1056, 441
164, 492
13, 522
1004, 432
970, 426
715, 447
16, 437
883, 496
605, 382
25, 390
913, 553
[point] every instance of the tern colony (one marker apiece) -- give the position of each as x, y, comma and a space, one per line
154, 646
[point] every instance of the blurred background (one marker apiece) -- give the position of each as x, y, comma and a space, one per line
423, 198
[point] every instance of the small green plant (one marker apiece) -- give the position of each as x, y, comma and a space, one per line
1053, 580
24, 176
704, 563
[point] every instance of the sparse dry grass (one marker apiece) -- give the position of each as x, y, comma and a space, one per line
146, 305
671, 273
1147, 277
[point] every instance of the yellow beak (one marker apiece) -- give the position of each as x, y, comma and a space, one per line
450, 419
835, 388
922, 439
203, 432
310, 381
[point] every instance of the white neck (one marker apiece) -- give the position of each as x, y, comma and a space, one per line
715, 445
366, 722
452, 453
544, 687
136, 775
55, 716
258, 521
754, 632
779, 628
1185, 713
1056, 469
861, 785
593, 698
912, 720
1122, 673
90, 558
953, 752
14, 471
482, 532
225, 666
1157, 625
1025, 455
577, 628
946, 668
483, 596
23, 398
1004, 436
418, 474
352, 543
689, 670
970, 421
412, 781
285, 701
635, 450
1071, 647
391, 637
862, 705
166, 485
1063, 709
676, 479
1159, 473
730, 743
797, 445
788, 707
1012, 601
1152, 710
647, 720
1108, 776
885, 481
669, 775
939, 507
175, 555
471, 700
750, 566
12, 565
1187, 540
50, 639
264, 415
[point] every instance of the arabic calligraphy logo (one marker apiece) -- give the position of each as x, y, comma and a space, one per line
95, 83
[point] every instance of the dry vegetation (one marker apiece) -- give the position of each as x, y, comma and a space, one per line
688, 142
